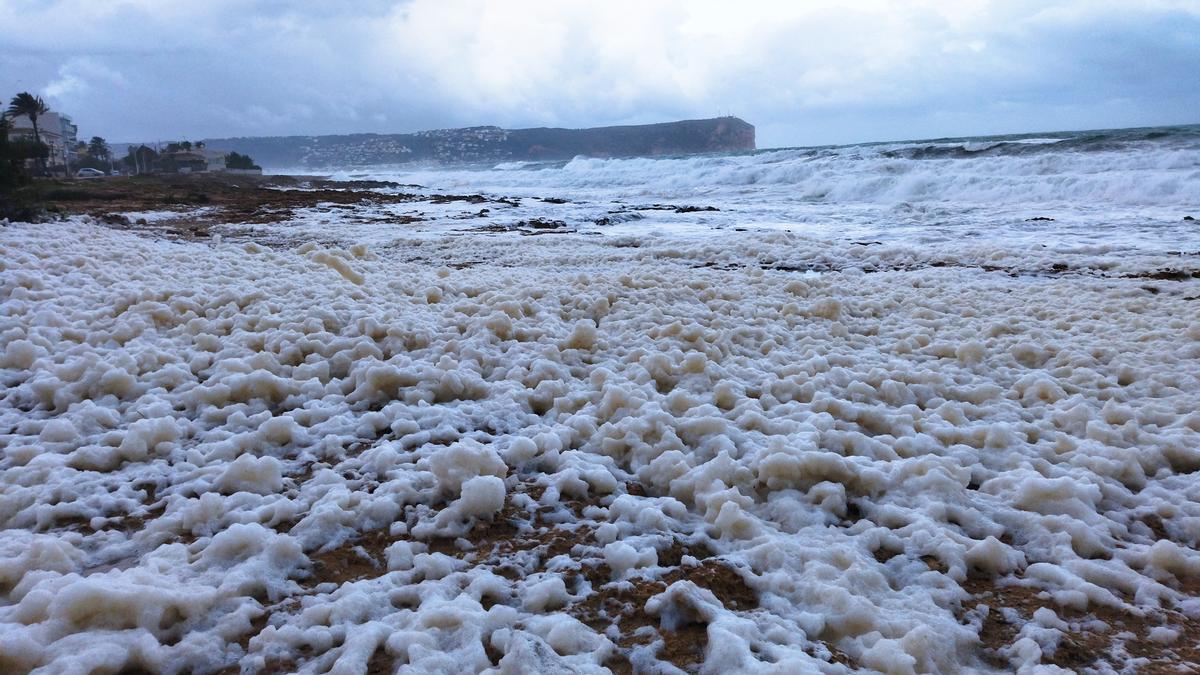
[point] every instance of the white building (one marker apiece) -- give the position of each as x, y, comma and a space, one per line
215, 159
56, 131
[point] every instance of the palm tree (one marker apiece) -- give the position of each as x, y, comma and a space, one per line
32, 107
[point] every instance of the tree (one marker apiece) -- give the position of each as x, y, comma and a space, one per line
95, 154
239, 161
98, 148
33, 107
141, 159
15, 203
12, 169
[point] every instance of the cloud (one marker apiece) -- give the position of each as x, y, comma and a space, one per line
805, 72
79, 77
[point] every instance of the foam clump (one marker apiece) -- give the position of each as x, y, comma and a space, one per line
457, 464
549, 593
260, 475
20, 354
622, 557
23, 553
684, 603
481, 496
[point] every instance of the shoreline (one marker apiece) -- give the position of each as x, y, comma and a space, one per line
281, 450
197, 207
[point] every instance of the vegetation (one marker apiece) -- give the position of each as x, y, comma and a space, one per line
95, 154
239, 161
16, 201
98, 148
25, 104
141, 159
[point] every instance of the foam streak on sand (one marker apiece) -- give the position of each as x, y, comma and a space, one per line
572, 454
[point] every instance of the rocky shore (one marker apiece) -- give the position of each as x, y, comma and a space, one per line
268, 425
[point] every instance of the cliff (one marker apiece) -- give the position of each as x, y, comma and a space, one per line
491, 144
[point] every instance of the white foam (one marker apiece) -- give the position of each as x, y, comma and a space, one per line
190, 429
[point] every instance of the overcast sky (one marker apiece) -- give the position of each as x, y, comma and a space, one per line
803, 72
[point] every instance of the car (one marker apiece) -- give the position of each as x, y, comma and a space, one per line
87, 172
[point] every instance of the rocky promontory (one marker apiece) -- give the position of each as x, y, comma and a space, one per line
488, 144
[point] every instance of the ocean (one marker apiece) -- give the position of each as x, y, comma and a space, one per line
1109, 188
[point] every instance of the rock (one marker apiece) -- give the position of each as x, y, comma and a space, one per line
542, 224
114, 219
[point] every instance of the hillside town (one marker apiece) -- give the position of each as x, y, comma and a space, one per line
494, 144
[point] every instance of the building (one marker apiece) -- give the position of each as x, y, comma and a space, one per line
184, 161
215, 159
59, 134
70, 137
217, 163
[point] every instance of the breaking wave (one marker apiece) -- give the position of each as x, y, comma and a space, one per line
1159, 167
1094, 168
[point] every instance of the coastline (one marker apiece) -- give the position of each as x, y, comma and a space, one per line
235, 442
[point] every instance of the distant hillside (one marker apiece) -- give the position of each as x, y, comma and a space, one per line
486, 144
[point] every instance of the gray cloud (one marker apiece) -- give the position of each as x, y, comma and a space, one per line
804, 72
